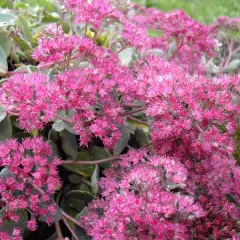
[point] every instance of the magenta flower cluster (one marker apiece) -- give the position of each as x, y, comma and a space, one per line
185, 183
27, 182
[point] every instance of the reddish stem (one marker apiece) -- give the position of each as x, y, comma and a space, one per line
70, 218
64, 119
132, 105
58, 231
70, 229
133, 111
75, 162
12, 113
137, 120
9, 74
230, 45
179, 47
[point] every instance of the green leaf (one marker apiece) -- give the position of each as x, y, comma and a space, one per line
5, 129
75, 196
171, 50
20, 5
48, 5
67, 125
65, 26
8, 4
232, 66
58, 125
35, 132
80, 231
27, 69
53, 135
126, 56
33, 68
69, 143
3, 113
5, 172
142, 137
54, 152
28, 55
83, 187
69, 210
2, 2
94, 180
22, 24
138, 125
75, 179
21, 43
51, 75
6, 18
75, 201
83, 169
5, 43
99, 153
84, 156
3, 62
52, 17
122, 142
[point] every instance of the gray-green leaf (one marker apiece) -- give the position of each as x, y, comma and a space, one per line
6, 18
3, 62
5, 129
94, 180
232, 66
122, 142
3, 113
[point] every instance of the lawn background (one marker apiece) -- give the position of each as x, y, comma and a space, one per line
205, 11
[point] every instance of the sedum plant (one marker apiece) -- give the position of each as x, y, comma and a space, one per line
111, 131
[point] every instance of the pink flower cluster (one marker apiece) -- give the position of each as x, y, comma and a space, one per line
27, 182
138, 203
57, 48
91, 92
225, 22
92, 12
193, 120
189, 39
31, 97
186, 185
54, 46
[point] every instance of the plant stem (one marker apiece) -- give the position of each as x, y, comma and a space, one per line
133, 111
70, 229
230, 45
70, 218
58, 231
64, 119
57, 224
8, 74
132, 105
12, 113
75, 162
85, 29
136, 120
120, 50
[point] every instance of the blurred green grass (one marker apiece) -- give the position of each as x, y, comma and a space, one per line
205, 11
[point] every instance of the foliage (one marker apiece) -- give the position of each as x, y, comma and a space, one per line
117, 122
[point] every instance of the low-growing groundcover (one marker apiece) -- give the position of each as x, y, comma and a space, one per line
110, 132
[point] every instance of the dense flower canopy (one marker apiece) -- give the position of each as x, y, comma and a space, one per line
103, 81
